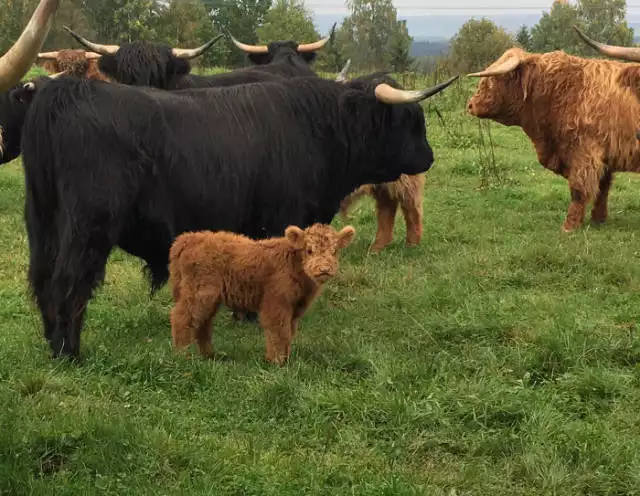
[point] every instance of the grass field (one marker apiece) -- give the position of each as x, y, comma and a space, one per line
500, 357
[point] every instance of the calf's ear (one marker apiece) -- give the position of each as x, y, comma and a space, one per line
345, 236
295, 236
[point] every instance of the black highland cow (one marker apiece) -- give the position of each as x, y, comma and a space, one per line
111, 165
157, 65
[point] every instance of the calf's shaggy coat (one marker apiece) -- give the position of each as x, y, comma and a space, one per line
277, 277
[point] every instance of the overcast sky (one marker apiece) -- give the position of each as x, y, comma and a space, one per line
471, 7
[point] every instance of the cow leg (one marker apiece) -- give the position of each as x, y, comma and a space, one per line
575, 214
584, 182
79, 269
599, 212
412, 211
386, 208
276, 322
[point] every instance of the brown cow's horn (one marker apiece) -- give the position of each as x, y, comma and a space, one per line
249, 48
48, 55
389, 94
16, 62
625, 53
342, 75
316, 45
94, 47
507, 66
191, 53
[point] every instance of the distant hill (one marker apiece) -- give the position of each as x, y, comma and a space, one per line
429, 48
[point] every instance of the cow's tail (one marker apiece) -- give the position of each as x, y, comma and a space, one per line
175, 269
352, 198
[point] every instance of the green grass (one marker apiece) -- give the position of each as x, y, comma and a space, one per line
500, 357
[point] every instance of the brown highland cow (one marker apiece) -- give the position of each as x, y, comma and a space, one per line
72, 62
278, 277
581, 121
407, 192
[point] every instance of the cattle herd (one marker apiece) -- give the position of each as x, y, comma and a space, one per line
226, 184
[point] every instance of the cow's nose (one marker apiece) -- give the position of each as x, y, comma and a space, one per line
470, 107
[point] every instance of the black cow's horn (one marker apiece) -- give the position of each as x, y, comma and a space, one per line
249, 48
16, 62
191, 53
95, 47
316, 45
626, 53
389, 94
342, 75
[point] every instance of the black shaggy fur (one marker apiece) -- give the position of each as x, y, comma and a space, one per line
143, 63
110, 165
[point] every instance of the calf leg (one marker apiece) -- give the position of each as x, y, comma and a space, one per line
386, 208
276, 322
204, 333
599, 212
191, 319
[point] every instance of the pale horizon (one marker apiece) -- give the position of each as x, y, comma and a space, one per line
422, 15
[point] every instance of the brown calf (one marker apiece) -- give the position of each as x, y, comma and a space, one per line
79, 63
406, 192
581, 121
278, 277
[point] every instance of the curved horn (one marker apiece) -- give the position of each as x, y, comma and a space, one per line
249, 48
16, 62
507, 66
191, 53
56, 75
626, 53
316, 45
92, 55
48, 55
389, 94
94, 47
342, 75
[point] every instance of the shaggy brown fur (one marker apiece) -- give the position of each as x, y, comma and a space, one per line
581, 120
278, 277
73, 62
406, 192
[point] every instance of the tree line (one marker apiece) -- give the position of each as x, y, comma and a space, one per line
480, 41
371, 36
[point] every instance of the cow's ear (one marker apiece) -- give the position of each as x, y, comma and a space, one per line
524, 72
346, 236
308, 57
23, 93
180, 67
107, 65
295, 236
